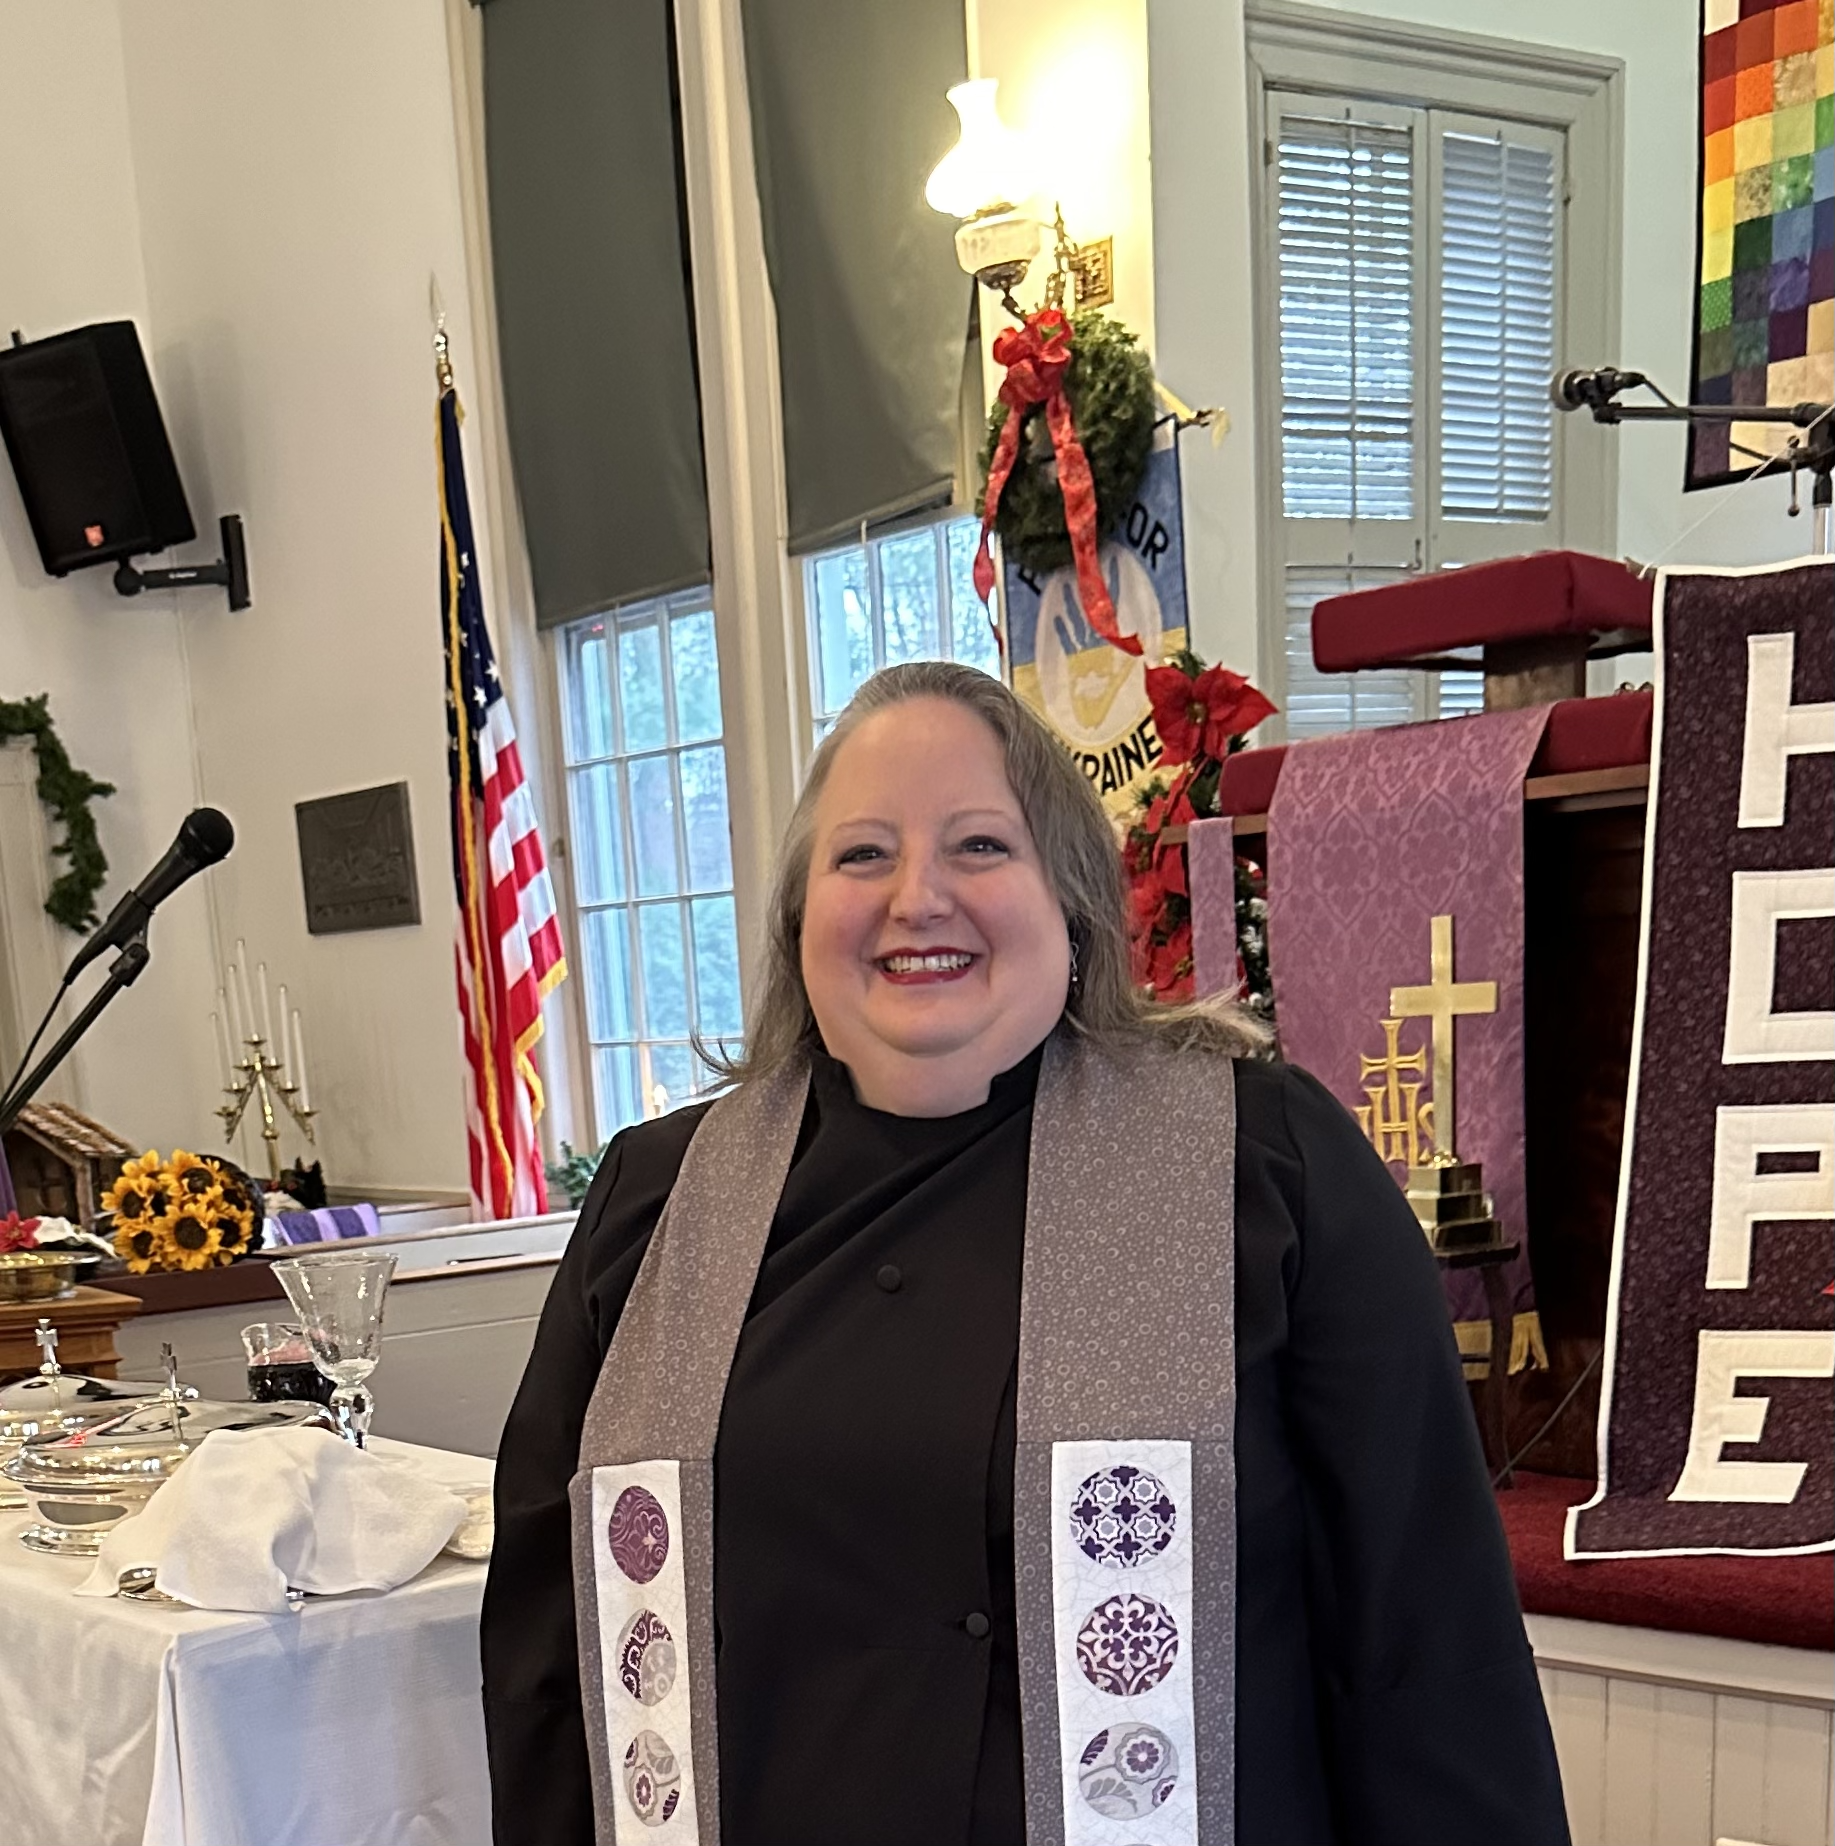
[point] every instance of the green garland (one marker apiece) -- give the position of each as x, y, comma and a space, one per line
67, 791
1110, 387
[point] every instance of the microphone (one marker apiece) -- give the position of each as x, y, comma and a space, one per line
204, 837
1580, 390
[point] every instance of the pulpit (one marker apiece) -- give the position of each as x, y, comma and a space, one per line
86, 1319
1536, 621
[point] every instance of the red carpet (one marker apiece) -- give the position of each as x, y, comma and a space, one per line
1789, 1602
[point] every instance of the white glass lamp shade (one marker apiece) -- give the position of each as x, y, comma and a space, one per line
989, 165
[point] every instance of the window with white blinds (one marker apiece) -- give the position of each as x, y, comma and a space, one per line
1415, 266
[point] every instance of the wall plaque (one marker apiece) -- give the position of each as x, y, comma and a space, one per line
356, 860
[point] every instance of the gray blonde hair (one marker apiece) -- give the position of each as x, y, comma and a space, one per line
1082, 864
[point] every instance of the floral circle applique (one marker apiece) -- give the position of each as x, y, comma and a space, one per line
646, 1658
652, 1779
1127, 1645
1122, 1516
1127, 1771
639, 1534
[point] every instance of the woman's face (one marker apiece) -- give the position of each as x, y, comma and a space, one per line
934, 953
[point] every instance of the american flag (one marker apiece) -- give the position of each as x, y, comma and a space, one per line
509, 939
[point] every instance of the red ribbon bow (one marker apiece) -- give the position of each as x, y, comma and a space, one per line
1037, 355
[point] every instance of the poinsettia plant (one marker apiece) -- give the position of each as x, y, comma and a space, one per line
17, 1233
1202, 715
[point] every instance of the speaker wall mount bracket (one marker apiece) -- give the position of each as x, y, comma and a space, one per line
230, 571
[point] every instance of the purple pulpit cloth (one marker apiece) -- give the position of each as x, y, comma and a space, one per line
1719, 1386
1372, 836
1210, 872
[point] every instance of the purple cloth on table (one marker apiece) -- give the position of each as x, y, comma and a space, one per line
1372, 834
328, 1224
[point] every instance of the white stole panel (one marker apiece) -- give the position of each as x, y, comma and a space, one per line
1121, 1565
643, 1651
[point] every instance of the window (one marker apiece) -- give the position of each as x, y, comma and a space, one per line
650, 851
1415, 278
909, 595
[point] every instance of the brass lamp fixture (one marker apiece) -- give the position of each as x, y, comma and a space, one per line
980, 181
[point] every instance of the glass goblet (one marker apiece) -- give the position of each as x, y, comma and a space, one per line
338, 1297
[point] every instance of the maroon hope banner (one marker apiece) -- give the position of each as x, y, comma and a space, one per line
1373, 835
1717, 1420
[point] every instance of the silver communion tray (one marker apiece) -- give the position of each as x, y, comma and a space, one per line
83, 1482
59, 1404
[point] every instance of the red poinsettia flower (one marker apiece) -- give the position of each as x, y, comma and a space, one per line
1170, 966
1198, 717
17, 1233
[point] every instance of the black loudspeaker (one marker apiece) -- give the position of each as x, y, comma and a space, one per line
82, 425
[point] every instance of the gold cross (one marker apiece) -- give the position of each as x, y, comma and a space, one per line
1443, 1000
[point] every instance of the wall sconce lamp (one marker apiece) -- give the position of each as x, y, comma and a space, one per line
982, 181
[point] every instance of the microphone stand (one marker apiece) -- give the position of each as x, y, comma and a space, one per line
123, 972
1816, 453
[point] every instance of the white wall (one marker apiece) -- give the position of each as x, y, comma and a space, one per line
1202, 245
114, 669
267, 190
298, 188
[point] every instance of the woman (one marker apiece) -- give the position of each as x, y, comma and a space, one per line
951, 1479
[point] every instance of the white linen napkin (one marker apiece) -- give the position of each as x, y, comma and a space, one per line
256, 1512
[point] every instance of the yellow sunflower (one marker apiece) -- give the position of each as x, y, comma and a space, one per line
192, 1175
145, 1245
233, 1226
143, 1192
191, 1235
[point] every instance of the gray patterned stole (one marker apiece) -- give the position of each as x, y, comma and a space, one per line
1125, 1517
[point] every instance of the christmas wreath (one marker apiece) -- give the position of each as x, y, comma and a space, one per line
67, 791
1108, 384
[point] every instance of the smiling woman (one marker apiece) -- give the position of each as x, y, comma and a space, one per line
942, 1368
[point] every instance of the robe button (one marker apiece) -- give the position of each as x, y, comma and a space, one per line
890, 1278
976, 1625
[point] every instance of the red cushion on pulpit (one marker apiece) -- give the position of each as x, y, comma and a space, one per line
1609, 732
1514, 599
1788, 1602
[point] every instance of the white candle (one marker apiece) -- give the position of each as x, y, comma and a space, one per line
267, 1006
216, 1019
245, 1007
285, 1051
299, 1064
227, 994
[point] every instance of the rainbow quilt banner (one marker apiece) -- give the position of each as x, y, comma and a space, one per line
1765, 311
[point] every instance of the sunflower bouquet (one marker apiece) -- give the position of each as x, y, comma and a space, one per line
193, 1211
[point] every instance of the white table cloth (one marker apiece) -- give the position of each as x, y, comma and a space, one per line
356, 1722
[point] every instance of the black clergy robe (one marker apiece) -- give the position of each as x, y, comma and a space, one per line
864, 1598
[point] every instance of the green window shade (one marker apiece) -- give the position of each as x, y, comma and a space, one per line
593, 307
848, 118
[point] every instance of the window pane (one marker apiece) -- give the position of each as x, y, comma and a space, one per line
640, 686
704, 819
665, 974
908, 596
1346, 261
972, 629
609, 1012
675, 1072
1497, 327
1320, 703
615, 1089
659, 872
844, 626
589, 701
696, 667
716, 968
597, 841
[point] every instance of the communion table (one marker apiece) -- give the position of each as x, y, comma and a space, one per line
356, 1722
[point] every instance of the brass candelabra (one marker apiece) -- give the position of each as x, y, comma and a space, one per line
263, 1078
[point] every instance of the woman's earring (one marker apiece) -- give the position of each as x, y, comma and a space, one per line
1075, 973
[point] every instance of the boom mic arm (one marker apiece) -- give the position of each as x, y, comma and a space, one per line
1588, 390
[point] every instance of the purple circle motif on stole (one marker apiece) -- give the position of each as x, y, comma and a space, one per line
646, 1658
1127, 1645
639, 1534
1122, 1516
1127, 1771
652, 1779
